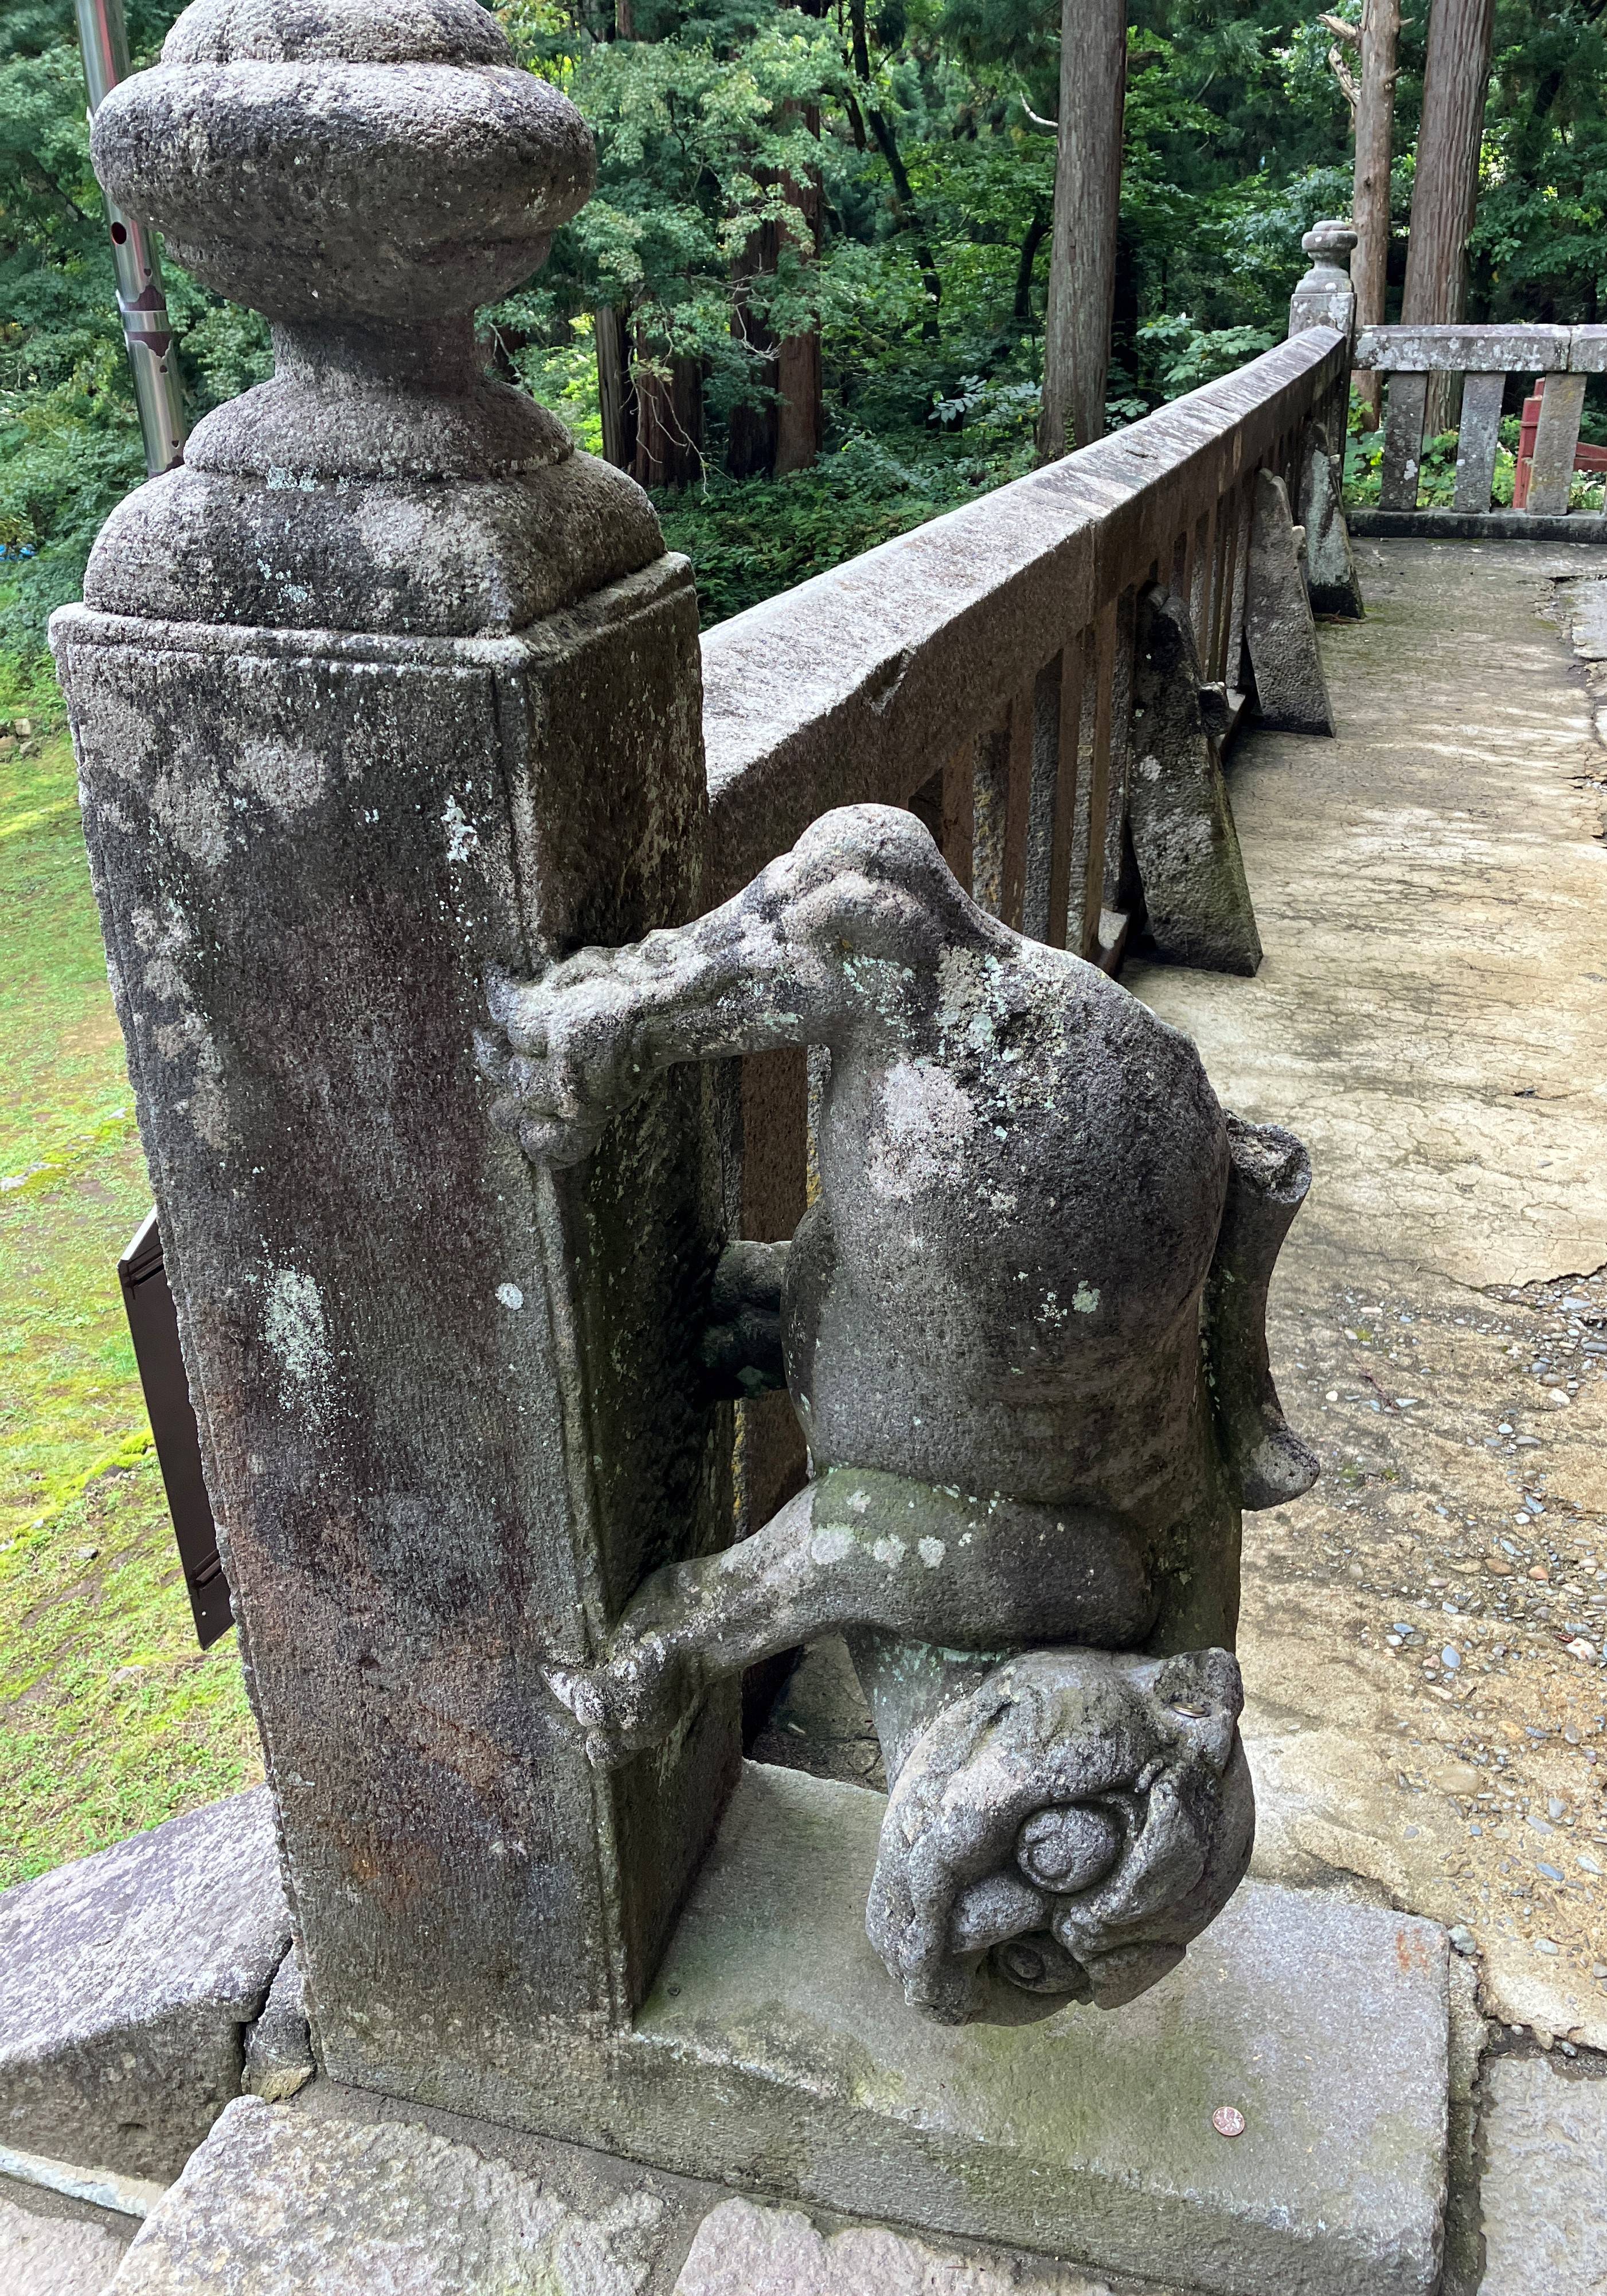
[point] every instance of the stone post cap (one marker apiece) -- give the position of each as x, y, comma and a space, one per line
374, 162
1329, 244
1325, 297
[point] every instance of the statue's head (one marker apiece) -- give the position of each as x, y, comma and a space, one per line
1063, 1830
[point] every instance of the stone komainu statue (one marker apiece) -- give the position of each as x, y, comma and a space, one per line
1023, 1329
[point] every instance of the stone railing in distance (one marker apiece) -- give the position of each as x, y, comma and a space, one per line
1563, 358
980, 669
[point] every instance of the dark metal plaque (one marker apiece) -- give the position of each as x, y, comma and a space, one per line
154, 1325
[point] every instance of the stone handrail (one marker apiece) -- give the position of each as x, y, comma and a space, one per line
876, 681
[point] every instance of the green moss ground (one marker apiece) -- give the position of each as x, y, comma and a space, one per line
109, 1718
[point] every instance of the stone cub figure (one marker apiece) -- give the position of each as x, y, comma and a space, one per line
1023, 1328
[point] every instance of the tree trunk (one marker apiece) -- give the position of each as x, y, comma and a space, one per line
784, 433
887, 143
801, 414
616, 394
668, 420
1037, 232
750, 437
799, 417
1375, 151
1088, 190
1456, 71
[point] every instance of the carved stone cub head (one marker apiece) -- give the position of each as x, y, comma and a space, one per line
1070, 1823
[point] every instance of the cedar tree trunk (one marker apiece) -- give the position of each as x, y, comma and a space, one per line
1088, 190
1456, 71
1374, 149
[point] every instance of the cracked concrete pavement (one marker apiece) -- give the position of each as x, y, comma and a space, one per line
1422, 1634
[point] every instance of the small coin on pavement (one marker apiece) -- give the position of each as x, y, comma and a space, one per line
1227, 2120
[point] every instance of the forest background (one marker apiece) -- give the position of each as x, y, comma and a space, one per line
869, 185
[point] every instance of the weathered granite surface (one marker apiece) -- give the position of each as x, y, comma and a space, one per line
1280, 635
47, 2248
1545, 2185
343, 2193
280, 2204
1330, 574
744, 2249
1197, 904
1325, 297
127, 1978
439, 189
102, 2191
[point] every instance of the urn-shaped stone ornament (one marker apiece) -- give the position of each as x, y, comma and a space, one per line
367, 176
1324, 297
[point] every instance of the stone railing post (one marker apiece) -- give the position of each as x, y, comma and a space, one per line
386, 691
1326, 298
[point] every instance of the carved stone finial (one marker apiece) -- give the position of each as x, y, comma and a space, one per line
367, 174
1325, 297
1330, 242
347, 159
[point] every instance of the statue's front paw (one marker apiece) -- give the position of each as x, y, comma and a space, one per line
558, 1057
1070, 1823
632, 1700
740, 1353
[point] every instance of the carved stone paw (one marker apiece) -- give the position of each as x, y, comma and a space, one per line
630, 1701
1073, 1822
562, 1058
740, 1353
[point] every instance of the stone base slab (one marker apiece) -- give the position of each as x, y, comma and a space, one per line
1088, 2136
342, 2195
54, 2247
126, 1982
1545, 2188
1480, 526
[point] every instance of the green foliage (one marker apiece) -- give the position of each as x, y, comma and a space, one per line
1538, 244
1183, 355
748, 539
110, 1717
69, 445
1437, 470
1237, 137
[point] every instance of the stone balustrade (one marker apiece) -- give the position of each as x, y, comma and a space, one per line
1561, 360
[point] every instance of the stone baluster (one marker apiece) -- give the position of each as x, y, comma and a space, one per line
387, 690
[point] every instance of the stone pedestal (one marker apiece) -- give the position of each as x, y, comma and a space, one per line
445, 1401
386, 692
